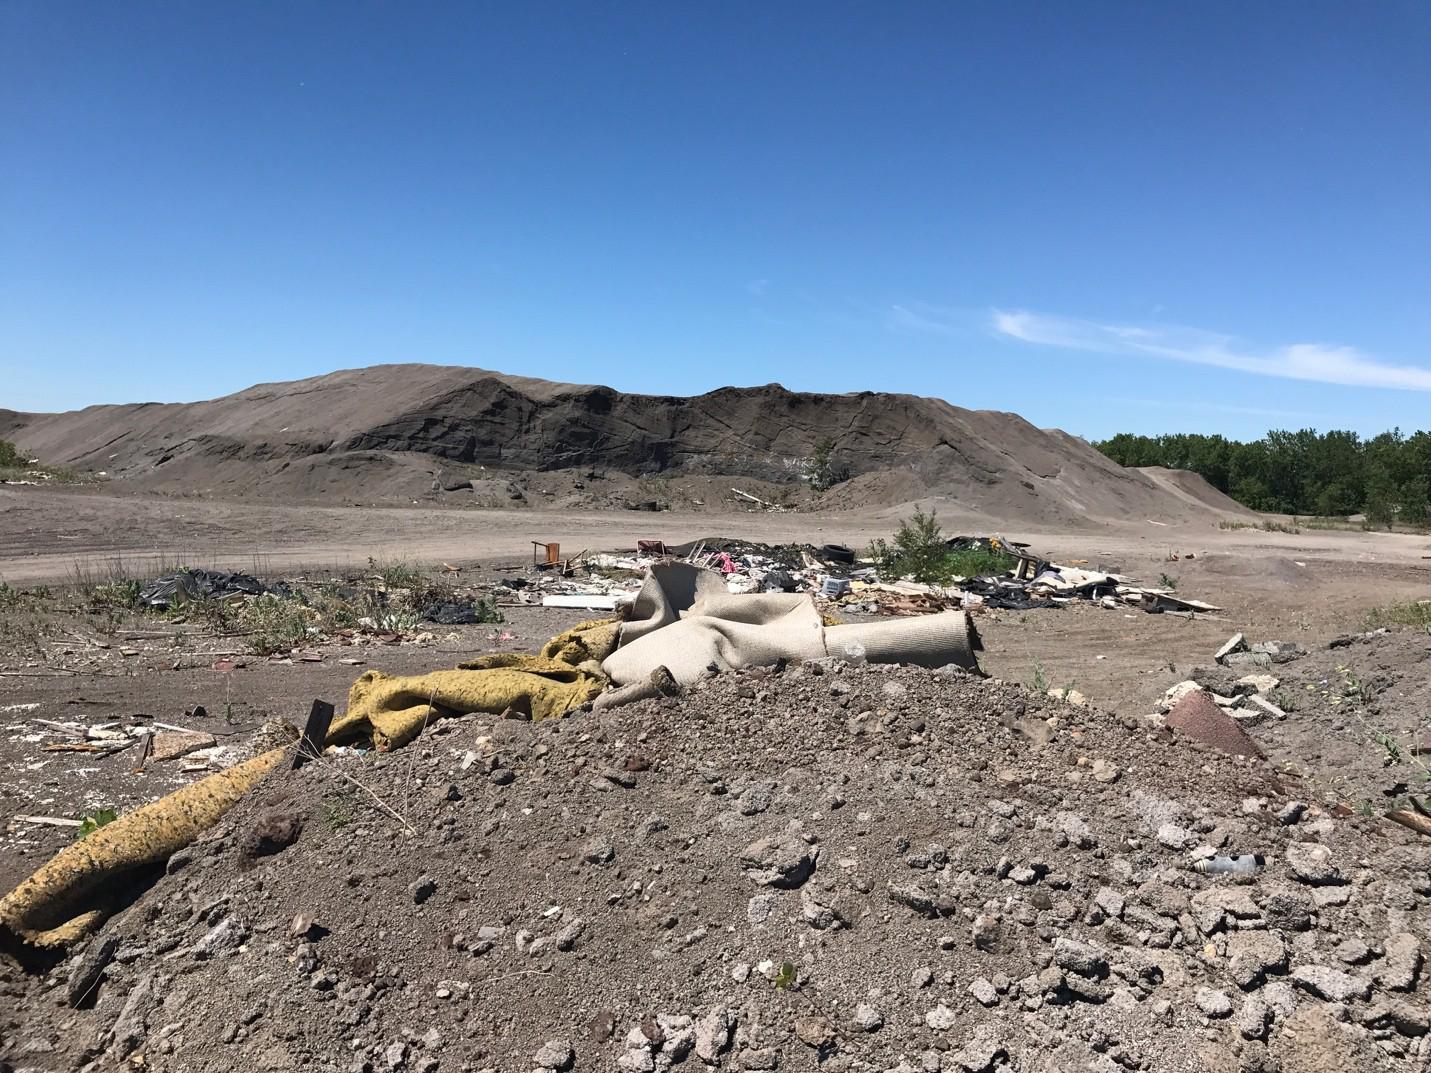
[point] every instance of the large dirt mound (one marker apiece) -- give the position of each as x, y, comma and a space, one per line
836, 867
407, 430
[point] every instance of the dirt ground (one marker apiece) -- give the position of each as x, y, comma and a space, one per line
1309, 588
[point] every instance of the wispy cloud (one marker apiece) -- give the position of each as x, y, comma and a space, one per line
1317, 362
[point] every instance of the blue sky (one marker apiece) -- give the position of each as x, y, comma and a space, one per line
1143, 217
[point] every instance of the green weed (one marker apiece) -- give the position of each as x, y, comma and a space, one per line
93, 821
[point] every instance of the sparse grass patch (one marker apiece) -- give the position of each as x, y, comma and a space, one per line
14, 466
275, 624
1414, 613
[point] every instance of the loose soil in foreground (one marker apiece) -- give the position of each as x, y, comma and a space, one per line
844, 867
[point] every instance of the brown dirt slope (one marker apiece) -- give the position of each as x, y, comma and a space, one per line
389, 430
1195, 489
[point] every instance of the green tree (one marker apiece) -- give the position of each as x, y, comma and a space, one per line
1416, 501
1380, 504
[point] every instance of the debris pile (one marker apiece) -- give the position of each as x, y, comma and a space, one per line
835, 574
865, 867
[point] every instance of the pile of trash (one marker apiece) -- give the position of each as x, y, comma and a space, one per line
156, 741
836, 575
185, 586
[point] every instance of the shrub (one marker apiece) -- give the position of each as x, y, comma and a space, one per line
919, 550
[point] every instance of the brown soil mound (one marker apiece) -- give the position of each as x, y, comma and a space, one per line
405, 431
850, 868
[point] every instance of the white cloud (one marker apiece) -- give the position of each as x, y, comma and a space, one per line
923, 318
1317, 362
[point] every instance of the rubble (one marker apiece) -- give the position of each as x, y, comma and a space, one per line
803, 893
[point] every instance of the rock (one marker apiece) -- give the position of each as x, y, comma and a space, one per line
132, 1025
85, 976
395, 1056
555, 1054
1330, 984
1260, 683
227, 934
1311, 863
981, 1051
1404, 1018
680, 1033
1254, 954
760, 1058
1285, 909
273, 832
598, 851
1252, 1018
1211, 908
760, 907
1110, 901
866, 1018
941, 1018
1352, 951
783, 861
1105, 772
1174, 837
816, 913
814, 1031
1079, 957
1213, 1003
570, 935
712, 1035
1292, 812
1397, 971
984, 992
923, 902
985, 932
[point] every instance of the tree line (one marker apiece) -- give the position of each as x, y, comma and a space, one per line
1333, 474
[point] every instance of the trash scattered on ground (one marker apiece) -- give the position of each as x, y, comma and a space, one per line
185, 586
844, 582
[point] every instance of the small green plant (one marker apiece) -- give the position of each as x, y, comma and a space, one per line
274, 624
1169, 583
1040, 680
337, 815
9, 457
487, 610
10, 598
93, 821
1352, 687
786, 976
1286, 700
1390, 745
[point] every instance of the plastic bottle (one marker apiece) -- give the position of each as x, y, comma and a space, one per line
1244, 865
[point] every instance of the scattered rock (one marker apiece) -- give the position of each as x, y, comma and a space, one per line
1330, 984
